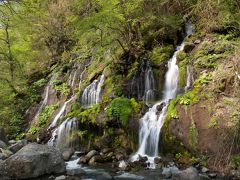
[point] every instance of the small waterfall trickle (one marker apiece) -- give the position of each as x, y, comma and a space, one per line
92, 93
190, 78
143, 84
152, 122
61, 113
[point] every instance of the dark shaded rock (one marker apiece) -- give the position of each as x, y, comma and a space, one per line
16, 147
119, 156
204, 170
79, 153
160, 106
5, 153
110, 154
190, 173
203, 177
33, 160
3, 145
142, 158
106, 150
94, 160
212, 175
157, 160
3, 136
82, 160
75, 172
166, 173
174, 169
67, 154
189, 47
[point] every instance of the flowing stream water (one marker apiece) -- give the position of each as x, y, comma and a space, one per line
152, 122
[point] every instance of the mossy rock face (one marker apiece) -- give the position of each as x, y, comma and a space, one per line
161, 54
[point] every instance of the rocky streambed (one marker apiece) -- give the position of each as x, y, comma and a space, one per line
24, 160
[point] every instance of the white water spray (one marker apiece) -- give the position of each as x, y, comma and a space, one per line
152, 122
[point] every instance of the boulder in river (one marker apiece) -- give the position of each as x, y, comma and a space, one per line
190, 173
67, 154
33, 160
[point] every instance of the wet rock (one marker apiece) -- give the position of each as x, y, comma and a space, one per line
3, 145
62, 177
12, 142
189, 47
93, 161
204, 170
79, 153
91, 154
166, 173
3, 136
75, 172
212, 175
106, 150
160, 106
190, 173
110, 154
203, 177
174, 169
33, 160
142, 158
82, 160
104, 176
67, 154
5, 153
119, 157
16, 147
157, 160
123, 165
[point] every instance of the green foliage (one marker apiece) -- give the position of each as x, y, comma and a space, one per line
193, 135
63, 87
181, 55
33, 130
88, 115
46, 114
236, 160
213, 122
189, 97
161, 54
183, 72
172, 109
121, 108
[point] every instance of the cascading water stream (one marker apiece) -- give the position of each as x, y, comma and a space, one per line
143, 85
190, 78
92, 93
61, 113
152, 122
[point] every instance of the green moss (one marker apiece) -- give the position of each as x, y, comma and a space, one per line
161, 54
193, 135
46, 114
63, 87
213, 122
181, 55
189, 97
89, 115
121, 108
183, 72
39, 83
236, 160
33, 130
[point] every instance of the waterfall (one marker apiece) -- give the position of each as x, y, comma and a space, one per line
61, 113
152, 122
190, 78
65, 136
143, 84
92, 93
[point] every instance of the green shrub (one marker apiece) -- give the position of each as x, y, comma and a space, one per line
193, 135
63, 87
46, 114
121, 108
161, 54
